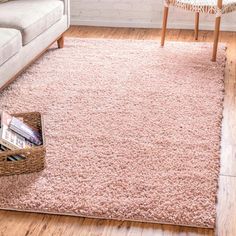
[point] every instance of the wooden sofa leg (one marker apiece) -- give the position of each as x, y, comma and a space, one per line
60, 42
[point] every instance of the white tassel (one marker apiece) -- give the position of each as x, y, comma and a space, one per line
218, 12
166, 3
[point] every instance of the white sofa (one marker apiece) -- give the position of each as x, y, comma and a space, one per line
27, 29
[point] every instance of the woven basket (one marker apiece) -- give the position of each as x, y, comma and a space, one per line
34, 157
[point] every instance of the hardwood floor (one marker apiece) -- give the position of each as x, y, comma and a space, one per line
19, 224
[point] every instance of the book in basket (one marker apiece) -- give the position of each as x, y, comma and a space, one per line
11, 158
24, 130
9, 138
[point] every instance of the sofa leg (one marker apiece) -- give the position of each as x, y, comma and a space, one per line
60, 42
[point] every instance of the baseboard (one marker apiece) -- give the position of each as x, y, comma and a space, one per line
176, 25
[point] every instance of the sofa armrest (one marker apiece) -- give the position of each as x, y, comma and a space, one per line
67, 10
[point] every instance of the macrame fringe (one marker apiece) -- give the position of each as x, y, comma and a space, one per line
203, 6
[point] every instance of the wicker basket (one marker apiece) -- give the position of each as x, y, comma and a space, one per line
34, 158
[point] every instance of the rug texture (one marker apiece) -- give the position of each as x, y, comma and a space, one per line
132, 130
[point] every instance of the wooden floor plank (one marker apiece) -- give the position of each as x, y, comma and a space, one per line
228, 158
22, 224
226, 220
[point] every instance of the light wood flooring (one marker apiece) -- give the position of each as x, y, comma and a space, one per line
19, 224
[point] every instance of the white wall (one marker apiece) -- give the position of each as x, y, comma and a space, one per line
138, 13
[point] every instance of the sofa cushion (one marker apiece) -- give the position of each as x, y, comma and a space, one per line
10, 43
31, 17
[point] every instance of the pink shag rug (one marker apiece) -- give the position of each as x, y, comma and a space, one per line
132, 129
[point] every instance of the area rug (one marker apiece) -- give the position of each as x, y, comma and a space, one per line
132, 130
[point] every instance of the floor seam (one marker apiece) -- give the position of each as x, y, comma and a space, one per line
234, 176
